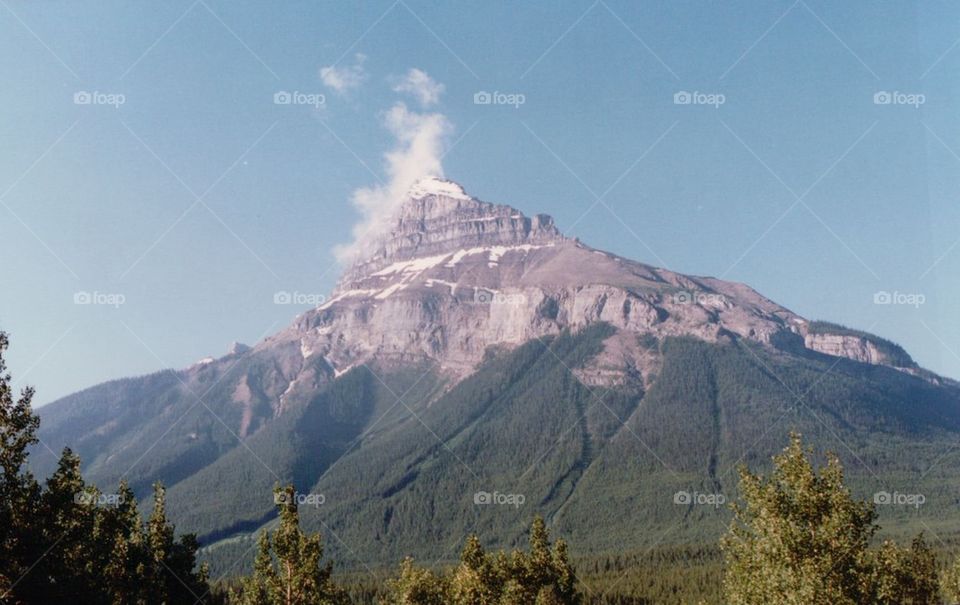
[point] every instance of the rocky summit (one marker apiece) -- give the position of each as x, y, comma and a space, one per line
456, 275
439, 217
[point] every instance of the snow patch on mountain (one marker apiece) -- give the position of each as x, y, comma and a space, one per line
416, 265
432, 185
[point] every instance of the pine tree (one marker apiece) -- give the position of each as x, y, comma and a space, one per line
287, 568
67, 507
20, 544
416, 586
170, 562
512, 569
121, 534
61, 543
544, 576
540, 570
475, 581
565, 578
256, 588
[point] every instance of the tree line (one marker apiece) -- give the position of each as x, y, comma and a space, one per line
798, 537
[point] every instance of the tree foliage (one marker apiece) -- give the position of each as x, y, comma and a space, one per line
68, 542
542, 576
288, 569
801, 538
950, 581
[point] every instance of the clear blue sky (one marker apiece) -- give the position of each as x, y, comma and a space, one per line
97, 198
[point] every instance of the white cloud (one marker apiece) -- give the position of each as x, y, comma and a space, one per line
420, 141
423, 88
345, 79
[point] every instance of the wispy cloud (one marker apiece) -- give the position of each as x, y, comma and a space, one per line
421, 86
421, 138
346, 78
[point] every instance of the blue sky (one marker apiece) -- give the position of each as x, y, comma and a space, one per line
197, 198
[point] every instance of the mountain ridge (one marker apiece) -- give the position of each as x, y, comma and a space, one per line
454, 276
442, 238
477, 338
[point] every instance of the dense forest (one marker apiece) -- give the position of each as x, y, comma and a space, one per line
601, 464
797, 536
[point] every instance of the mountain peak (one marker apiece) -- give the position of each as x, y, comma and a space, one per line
440, 217
436, 186
434, 197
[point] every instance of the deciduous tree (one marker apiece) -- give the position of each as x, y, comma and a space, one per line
799, 537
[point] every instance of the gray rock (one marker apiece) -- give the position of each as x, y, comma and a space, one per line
455, 276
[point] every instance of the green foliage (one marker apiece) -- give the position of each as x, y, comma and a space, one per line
299, 446
604, 467
96, 545
287, 569
801, 538
542, 576
67, 542
665, 575
18, 490
592, 453
904, 576
950, 581
416, 586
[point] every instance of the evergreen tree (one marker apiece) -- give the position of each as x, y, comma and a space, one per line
287, 568
544, 576
565, 580
475, 581
70, 524
20, 544
950, 582
417, 586
120, 533
169, 562
64, 543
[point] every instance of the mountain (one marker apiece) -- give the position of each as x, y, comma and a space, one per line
478, 355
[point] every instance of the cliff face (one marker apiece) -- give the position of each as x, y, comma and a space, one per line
851, 347
456, 275
439, 217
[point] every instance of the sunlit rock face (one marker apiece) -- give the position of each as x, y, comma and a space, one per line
439, 217
454, 276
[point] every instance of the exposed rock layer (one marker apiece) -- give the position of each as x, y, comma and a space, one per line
456, 275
